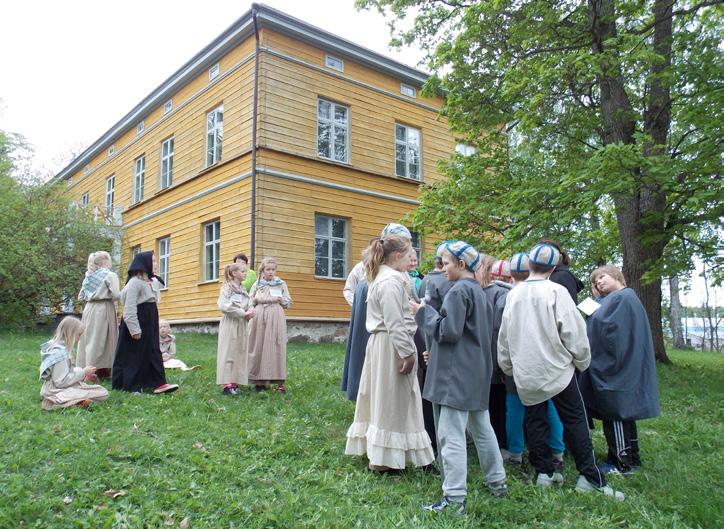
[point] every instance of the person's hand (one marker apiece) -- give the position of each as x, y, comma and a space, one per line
249, 314
136, 336
89, 374
414, 306
595, 290
407, 364
166, 357
426, 357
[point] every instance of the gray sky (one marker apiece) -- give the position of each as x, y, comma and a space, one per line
71, 69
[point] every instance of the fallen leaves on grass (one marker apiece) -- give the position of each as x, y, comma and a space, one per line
114, 493
184, 524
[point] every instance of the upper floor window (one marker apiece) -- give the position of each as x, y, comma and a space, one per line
334, 63
135, 250
140, 127
110, 194
167, 106
84, 200
416, 242
407, 90
111, 150
214, 135
139, 177
86, 170
164, 258
330, 246
465, 150
166, 163
212, 246
407, 152
214, 72
332, 131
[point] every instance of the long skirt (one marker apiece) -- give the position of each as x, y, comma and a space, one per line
98, 343
55, 397
268, 345
138, 364
388, 426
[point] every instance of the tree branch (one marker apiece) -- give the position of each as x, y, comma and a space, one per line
648, 27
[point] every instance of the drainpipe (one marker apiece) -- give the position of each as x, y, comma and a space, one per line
254, 9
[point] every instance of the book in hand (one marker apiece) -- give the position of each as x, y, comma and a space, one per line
588, 306
277, 292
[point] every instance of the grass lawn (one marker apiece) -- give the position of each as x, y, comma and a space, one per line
196, 458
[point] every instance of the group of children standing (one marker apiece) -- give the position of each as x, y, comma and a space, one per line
135, 354
504, 344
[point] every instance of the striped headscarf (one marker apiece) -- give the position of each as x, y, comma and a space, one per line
464, 251
395, 229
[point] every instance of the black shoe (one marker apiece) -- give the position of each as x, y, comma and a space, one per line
227, 391
430, 469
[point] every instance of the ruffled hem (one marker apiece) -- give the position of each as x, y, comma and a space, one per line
389, 449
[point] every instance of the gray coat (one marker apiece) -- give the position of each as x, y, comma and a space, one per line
460, 366
433, 289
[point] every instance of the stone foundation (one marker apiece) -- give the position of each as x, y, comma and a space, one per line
297, 330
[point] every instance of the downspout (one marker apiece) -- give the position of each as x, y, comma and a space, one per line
252, 252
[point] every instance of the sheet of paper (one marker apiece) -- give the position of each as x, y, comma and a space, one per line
275, 292
588, 306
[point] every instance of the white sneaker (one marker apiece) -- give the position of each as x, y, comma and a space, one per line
584, 485
544, 480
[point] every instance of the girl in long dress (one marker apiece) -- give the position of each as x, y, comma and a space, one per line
388, 424
268, 333
232, 353
138, 364
64, 384
100, 291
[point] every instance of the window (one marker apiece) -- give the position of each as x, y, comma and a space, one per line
84, 200
86, 170
407, 90
140, 127
332, 126
417, 245
330, 247
212, 243
465, 150
135, 250
407, 152
139, 178
214, 135
334, 63
167, 106
110, 192
214, 71
164, 258
111, 150
167, 163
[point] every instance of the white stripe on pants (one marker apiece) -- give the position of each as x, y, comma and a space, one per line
450, 426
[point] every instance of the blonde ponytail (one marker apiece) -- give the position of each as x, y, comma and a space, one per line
380, 250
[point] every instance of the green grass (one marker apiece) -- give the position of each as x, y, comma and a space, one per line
269, 460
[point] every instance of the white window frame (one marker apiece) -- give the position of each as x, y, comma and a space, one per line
166, 164
110, 194
214, 135
335, 63
135, 250
140, 127
212, 248
418, 249
465, 150
84, 199
334, 126
168, 106
214, 71
111, 150
408, 90
331, 239
139, 178
86, 170
164, 259
406, 143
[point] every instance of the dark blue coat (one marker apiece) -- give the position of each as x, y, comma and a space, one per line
354, 356
620, 384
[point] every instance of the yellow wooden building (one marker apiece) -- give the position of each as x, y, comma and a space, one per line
276, 139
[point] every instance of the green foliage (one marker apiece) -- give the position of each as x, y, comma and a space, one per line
554, 168
264, 460
45, 243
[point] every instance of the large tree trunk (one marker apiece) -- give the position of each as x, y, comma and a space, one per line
619, 127
675, 315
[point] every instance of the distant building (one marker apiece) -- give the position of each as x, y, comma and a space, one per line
343, 140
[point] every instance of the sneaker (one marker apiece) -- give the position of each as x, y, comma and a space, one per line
548, 480
281, 389
558, 465
166, 388
453, 507
584, 485
430, 469
498, 489
511, 458
608, 468
227, 391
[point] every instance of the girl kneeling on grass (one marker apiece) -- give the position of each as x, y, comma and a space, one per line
232, 353
268, 333
138, 364
63, 384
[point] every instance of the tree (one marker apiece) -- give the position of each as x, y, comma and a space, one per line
615, 106
45, 241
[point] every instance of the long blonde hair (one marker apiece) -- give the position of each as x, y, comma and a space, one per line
378, 251
69, 331
229, 287
486, 264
